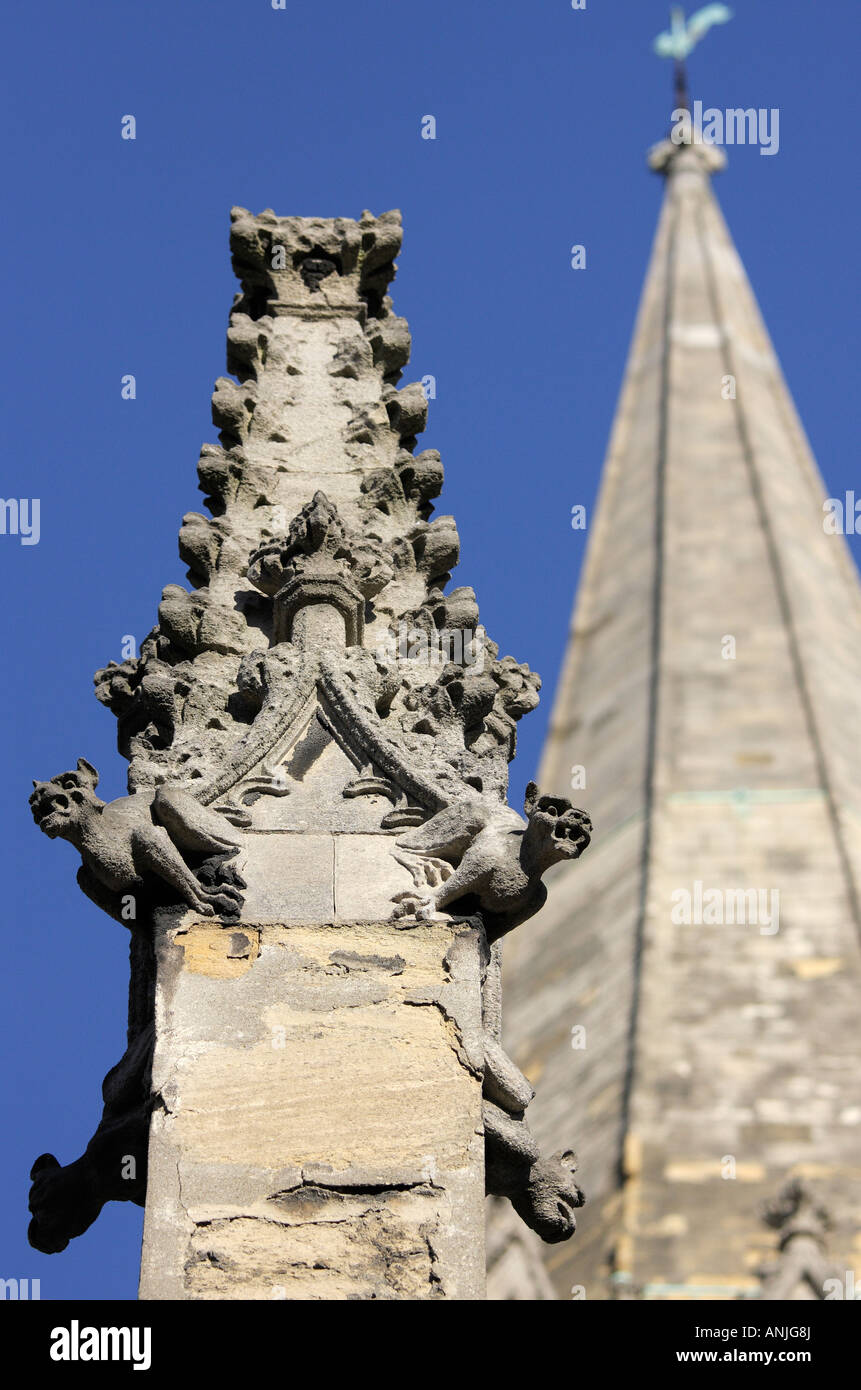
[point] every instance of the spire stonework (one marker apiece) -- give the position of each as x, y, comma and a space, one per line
316, 860
711, 690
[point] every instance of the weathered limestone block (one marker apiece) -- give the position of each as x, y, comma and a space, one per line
320, 1129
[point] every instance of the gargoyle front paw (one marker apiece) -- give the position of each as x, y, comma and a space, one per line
436, 872
219, 874
551, 1197
219, 889
410, 904
232, 878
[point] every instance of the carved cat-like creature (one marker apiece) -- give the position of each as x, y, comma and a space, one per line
136, 842
481, 856
130, 848
543, 1191
499, 859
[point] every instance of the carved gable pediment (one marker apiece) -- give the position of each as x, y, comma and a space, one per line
321, 771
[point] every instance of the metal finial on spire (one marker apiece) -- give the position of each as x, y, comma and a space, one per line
682, 38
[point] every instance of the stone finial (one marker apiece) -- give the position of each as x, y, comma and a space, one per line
314, 566
689, 156
298, 265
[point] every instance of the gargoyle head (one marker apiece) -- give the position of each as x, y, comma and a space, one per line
58, 806
551, 1197
557, 830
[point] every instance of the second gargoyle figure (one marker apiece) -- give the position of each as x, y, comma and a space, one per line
498, 860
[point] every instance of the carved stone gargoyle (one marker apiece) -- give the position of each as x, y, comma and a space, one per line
136, 853
499, 859
133, 847
481, 856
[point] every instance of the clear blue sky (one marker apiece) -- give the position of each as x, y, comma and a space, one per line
117, 261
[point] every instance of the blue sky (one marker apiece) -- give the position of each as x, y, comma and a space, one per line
117, 261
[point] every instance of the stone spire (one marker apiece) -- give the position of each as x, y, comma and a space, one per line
707, 953
316, 860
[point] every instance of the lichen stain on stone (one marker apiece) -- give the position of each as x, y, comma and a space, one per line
809, 968
219, 952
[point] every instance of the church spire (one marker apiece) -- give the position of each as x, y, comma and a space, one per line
689, 994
